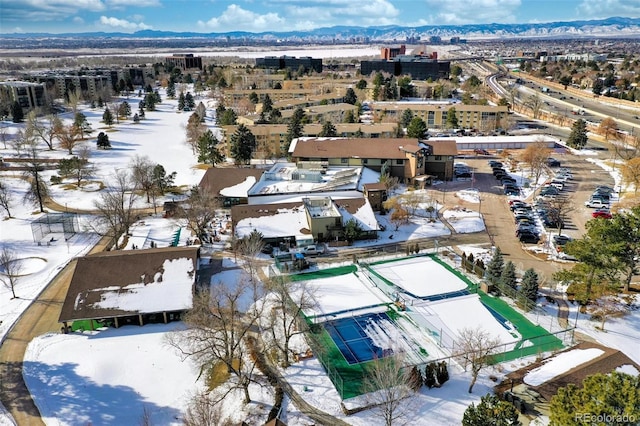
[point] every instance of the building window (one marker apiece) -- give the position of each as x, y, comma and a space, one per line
438, 157
344, 160
399, 162
365, 161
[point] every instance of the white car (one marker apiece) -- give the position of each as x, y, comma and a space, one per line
596, 204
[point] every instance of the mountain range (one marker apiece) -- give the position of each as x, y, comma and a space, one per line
609, 27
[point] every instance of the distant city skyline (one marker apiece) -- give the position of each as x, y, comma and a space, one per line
220, 16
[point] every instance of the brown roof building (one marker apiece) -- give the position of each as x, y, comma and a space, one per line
405, 158
218, 179
132, 286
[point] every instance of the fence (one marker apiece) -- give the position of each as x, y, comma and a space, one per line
321, 352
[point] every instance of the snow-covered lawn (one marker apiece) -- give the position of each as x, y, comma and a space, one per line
560, 364
109, 377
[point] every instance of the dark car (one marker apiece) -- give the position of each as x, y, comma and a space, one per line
529, 237
561, 240
480, 151
552, 162
494, 163
267, 249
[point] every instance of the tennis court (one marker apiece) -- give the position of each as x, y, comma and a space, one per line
351, 338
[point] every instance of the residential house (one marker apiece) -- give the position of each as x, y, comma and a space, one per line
131, 287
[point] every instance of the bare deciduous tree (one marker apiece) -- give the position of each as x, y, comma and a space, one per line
217, 328
288, 301
608, 128
6, 198
536, 155
474, 349
199, 211
115, 208
202, 410
142, 173
194, 129
605, 307
387, 386
10, 269
38, 189
45, 132
69, 136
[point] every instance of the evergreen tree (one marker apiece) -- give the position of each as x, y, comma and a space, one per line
600, 395
416, 128
141, 114
17, 114
491, 411
442, 373
107, 117
362, 84
349, 117
136, 118
103, 141
358, 133
267, 104
328, 130
171, 89
100, 102
350, 97
405, 119
161, 180
181, 101
253, 98
508, 277
156, 97
150, 102
228, 118
189, 101
529, 286
294, 130
452, 119
243, 143
495, 267
208, 152
578, 137
430, 375
124, 109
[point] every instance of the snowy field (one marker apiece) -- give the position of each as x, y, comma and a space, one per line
108, 377
421, 276
560, 364
344, 292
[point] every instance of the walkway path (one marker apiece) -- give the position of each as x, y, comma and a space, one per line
39, 318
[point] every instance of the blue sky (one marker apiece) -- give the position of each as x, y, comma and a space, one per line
57, 16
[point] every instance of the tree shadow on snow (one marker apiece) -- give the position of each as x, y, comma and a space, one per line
61, 393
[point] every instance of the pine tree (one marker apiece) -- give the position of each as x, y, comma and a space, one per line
417, 128
328, 130
529, 287
136, 118
407, 116
578, 137
171, 89
208, 152
508, 277
189, 101
243, 143
491, 411
294, 130
442, 373
350, 97
452, 119
599, 395
181, 101
430, 375
495, 267
17, 114
267, 104
103, 141
107, 117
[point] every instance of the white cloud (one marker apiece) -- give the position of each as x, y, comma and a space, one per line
122, 24
606, 8
78, 20
473, 11
67, 5
321, 13
235, 18
133, 3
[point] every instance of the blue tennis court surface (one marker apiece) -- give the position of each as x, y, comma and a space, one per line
350, 337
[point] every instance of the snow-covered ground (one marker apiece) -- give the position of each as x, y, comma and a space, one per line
109, 376
560, 364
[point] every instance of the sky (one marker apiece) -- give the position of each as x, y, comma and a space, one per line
220, 16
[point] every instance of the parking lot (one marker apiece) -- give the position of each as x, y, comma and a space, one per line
501, 223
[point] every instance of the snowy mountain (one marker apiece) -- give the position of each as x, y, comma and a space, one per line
610, 27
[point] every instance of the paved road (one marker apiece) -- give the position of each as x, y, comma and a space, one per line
39, 318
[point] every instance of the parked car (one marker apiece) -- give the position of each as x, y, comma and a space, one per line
561, 240
602, 213
552, 162
495, 163
480, 151
529, 237
313, 250
596, 204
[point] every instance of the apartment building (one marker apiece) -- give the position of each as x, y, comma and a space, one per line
434, 114
28, 95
